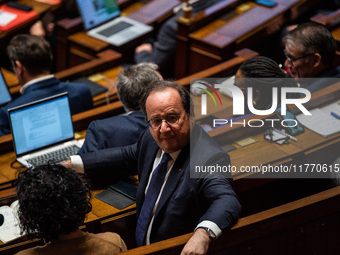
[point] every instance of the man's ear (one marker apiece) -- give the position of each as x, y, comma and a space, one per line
19, 66
317, 60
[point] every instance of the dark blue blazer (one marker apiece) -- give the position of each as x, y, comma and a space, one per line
324, 79
164, 49
116, 131
185, 201
79, 96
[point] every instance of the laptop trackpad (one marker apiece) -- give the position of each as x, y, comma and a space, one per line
107, 32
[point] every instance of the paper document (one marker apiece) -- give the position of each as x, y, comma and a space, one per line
320, 122
335, 107
10, 229
6, 17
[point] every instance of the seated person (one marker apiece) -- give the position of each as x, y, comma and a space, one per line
53, 203
31, 59
162, 52
310, 50
123, 130
172, 199
262, 74
46, 25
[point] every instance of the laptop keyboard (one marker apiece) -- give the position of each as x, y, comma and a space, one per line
55, 156
114, 28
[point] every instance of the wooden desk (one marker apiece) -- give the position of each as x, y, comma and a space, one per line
152, 13
247, 25
332, 22
225, 69
185, 27
305, 226
310, 147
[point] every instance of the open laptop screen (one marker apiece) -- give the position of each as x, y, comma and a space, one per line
5, 96
97, 12
41, 124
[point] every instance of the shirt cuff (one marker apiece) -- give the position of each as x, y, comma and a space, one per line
77, 163
213, 226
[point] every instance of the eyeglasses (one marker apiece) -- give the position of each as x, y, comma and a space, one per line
171, 120
292, 59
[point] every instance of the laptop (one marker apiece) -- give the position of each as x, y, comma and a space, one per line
102, 20
43, 130
5, 96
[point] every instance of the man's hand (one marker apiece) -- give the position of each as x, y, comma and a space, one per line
67, 164
75, 163
197, 244
144, 47
37, 29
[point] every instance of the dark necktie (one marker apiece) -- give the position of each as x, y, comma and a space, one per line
154, 188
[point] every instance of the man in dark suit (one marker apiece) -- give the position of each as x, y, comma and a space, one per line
162, 52
310, 49
188, 199
31, 59
123, 130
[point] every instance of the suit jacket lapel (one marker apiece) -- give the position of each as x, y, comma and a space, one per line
175, 175
145, 172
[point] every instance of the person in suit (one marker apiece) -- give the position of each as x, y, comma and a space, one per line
31, 59
162, 51
310, 49
123, 130
53, 203
188, 198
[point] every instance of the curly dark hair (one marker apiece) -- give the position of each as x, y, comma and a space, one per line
263, 74
52, 200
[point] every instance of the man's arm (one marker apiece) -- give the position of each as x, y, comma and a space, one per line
163, 49
224, 206
91, 139
99, 162
222, 212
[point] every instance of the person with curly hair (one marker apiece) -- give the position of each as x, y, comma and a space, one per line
263, 74
53, 203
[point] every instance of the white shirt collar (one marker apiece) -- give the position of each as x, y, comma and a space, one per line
173, 155
27, 84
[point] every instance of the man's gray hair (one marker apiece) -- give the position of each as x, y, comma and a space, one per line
132, 83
